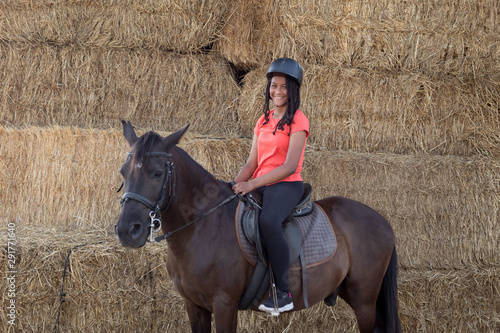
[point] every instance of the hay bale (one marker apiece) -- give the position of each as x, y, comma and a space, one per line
107, 287
421, 36
444, 210
173, 25
463, 300
67, 178
111, 288
392, 112
249, 34
87, 87
52, 175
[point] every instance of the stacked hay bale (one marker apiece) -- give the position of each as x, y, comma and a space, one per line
398, 112
403, 99
84, 87
431, 37
388, 76
65, 195
92, 63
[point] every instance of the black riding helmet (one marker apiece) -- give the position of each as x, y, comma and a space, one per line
286, 66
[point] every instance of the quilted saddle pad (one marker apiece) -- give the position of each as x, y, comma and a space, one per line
318, 238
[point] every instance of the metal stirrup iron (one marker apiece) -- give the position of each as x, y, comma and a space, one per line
274, 293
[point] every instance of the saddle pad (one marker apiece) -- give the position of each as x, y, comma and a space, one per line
318, 238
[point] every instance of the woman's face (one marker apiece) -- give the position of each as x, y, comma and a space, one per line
278, 91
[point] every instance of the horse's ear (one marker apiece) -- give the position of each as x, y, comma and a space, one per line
174, 138
129, 133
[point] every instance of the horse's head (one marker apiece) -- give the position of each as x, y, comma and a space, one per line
148, 184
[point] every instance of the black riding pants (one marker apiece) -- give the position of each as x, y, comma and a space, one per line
278, 201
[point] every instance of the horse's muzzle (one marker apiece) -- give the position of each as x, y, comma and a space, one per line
132, 234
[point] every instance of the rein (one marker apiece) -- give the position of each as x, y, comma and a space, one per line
155, 214
231, 197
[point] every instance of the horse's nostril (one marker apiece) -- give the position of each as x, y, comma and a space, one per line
135, 230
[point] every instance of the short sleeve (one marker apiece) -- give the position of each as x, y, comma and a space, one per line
300, 123
258, 125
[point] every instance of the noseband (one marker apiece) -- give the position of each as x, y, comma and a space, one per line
155, 213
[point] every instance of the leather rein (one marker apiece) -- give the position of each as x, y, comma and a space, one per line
155, 213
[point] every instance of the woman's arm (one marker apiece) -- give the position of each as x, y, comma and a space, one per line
297, 142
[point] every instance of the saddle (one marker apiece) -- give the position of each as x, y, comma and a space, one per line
250, 222
260, 282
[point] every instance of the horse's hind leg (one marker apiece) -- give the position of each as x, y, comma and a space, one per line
331, 300
199, 318
362, 297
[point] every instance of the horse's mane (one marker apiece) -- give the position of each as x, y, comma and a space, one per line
143, 146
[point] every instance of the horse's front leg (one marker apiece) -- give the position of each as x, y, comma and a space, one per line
199, 318
226, 320
225, 309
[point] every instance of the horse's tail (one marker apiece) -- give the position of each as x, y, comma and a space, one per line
387, 301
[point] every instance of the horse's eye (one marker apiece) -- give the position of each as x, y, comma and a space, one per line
158, 174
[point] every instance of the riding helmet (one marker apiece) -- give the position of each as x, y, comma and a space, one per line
286, 66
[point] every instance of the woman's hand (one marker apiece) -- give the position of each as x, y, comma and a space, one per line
243, 188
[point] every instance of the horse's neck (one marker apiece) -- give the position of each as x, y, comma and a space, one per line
197, 192
195, 183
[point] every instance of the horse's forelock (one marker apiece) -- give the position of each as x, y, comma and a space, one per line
143, 146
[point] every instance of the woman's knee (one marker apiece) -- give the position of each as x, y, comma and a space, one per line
269, 224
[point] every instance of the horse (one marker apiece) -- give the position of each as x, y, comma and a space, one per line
166, 190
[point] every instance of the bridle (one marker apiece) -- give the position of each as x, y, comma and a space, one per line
155, 213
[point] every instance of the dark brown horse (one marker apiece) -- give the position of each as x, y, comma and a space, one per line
165, 187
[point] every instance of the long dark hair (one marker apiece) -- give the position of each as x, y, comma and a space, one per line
293, 104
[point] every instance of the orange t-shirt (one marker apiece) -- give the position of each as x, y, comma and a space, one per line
272, 149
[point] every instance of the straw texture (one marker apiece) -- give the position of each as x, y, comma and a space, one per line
110, 288
432, 37
180, 26
87, 87
52, 176
392, 112
403, 99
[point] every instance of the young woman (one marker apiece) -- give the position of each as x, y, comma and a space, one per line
273, 168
